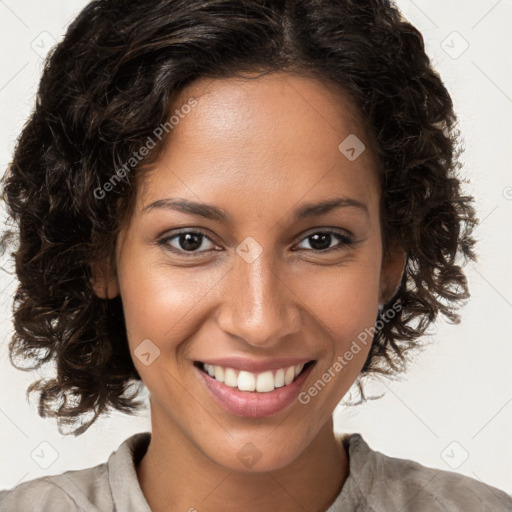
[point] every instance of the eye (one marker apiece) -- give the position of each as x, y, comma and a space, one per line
321, 241
185, 242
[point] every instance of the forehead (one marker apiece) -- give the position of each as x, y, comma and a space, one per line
262, 137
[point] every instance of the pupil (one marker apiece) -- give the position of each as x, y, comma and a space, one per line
320, 241
187, 244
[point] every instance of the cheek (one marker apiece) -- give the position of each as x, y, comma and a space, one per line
164, 305
344, 306
161, 302
345, 300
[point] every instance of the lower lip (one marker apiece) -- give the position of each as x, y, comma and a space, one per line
251, 404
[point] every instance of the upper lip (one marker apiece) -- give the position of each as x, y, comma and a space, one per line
255, 365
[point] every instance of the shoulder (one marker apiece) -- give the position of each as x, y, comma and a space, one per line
73, 491
78, 490
38, 494
111, 485
390, 483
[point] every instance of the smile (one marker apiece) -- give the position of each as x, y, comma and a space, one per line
247, 381
252, 394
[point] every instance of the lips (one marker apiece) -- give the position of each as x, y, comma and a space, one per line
254, 393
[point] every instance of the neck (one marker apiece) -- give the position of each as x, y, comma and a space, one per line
175, 476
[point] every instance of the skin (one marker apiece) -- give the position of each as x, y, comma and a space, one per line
258, 149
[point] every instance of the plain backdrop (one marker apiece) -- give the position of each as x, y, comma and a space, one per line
453, 409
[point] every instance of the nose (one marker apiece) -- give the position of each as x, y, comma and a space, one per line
257, 305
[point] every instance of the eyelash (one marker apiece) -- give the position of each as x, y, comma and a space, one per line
344, 239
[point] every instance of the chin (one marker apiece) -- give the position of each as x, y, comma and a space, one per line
246, 456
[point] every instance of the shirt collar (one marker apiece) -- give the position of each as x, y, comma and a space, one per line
128, 497
122, 474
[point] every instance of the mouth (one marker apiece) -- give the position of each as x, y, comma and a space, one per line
252, 394
263, 382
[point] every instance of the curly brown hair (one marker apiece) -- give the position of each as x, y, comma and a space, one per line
112, 80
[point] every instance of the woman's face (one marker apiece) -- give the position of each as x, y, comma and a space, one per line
263, 282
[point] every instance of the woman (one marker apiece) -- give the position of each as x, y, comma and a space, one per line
245, 206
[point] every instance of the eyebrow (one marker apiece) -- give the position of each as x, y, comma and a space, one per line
209, 211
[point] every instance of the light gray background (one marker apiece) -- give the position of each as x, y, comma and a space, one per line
453, 410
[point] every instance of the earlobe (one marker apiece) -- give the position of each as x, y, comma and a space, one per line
103, 281
392, 272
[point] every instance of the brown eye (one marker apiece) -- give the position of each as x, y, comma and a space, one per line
322, 241
185, 242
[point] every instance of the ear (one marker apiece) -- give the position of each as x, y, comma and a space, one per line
104, 280
393, 266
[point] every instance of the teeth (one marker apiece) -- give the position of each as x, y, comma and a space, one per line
246, 381
219, 373
279, 378
230, 378
265, 382
289, 375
